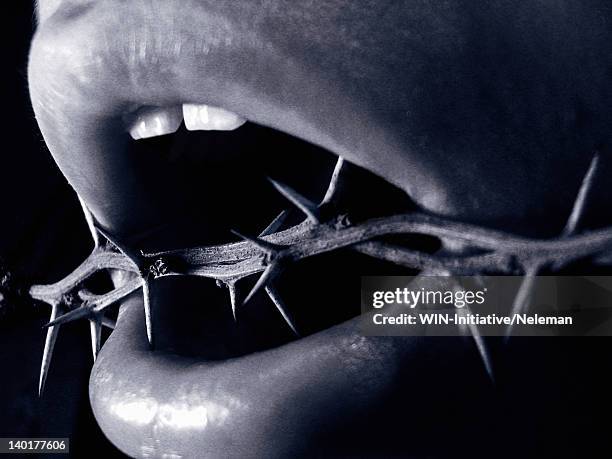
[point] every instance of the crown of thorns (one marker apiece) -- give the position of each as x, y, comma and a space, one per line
322, 231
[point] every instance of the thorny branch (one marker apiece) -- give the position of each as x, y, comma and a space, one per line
491, 251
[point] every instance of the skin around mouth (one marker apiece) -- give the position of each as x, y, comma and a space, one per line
487, 113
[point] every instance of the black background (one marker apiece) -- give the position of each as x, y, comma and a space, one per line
42, 237
553, 393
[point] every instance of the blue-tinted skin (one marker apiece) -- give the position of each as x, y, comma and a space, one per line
488, 112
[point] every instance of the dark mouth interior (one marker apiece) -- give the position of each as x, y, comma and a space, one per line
219, 180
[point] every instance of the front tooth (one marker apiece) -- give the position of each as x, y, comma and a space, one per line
201, 117
155, 121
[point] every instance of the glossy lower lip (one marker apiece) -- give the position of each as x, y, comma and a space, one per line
260, 405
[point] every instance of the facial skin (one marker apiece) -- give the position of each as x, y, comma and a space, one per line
484, 112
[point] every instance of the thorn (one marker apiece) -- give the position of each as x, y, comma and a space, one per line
90, 223
52, 333
481, 346
479, 341
483, 351
332, 188
581, 197
147, 310
304, 204
135, 256
271, 272
267, 247
95, 330
75, 314
233, 294
523, 294
108, 322
278, 302
275, 224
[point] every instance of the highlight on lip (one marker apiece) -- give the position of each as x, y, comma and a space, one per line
183, 415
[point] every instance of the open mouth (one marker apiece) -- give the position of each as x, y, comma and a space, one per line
211, 376
146, 114
236, 167
267, 367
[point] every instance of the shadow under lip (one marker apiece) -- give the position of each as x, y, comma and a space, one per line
193, 317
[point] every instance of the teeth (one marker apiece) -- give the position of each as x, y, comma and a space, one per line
200, 117
155, 121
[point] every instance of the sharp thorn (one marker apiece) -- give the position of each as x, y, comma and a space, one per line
50, 339
71, 316
95, 330
275, 224
135, 256
147, 310
523, 295
272, 271
483, 351
108, 322
278, 302
481, 346
233, 294
579, 204
109, 238
265, 246
332, 188
304, 204
90, 223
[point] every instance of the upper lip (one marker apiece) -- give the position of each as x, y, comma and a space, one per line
427, 125
106, 62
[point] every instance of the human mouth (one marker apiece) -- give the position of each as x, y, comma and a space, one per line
136, 75
130, 63
264, 395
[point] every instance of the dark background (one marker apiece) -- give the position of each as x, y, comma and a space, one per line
553, 393
42, 237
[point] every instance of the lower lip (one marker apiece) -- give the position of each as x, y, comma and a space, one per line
156, 403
